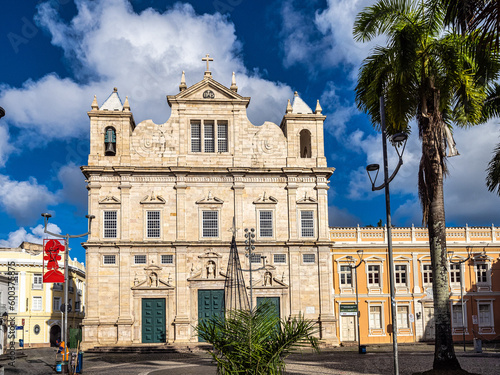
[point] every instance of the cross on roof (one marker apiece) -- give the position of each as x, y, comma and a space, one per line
207, 59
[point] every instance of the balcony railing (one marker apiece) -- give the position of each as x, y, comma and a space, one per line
57, 287
37, 286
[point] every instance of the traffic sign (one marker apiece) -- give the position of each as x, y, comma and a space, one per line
63, 308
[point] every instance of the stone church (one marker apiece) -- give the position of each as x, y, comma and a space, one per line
167, 198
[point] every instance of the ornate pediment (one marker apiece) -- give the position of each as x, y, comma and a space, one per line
210, 200
153, 199
264, 199
307, 199
207, 90
268, 280
110, 199
152, 280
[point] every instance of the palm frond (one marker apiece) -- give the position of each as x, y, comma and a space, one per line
493, 172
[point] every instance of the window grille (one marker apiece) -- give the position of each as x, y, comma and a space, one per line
140, 259
307, 223
256, 258
280, 258
309, 258
109, 259
209, 136
153, 224
110, 224
210, 223
195, 136
167, 259
222, 136
266, 224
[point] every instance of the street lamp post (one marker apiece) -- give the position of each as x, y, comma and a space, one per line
399, 143
351, 261
450, 254
46, 217
250, 246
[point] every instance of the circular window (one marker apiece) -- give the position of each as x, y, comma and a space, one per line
36, 329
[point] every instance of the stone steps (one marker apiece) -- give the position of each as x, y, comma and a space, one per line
148, 348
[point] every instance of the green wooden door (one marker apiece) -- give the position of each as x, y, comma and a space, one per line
210, 302
275, 301
153, 320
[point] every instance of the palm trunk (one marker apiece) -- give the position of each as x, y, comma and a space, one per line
431, 174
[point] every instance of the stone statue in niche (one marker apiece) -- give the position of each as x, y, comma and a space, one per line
153, 280
268, 278
210, 269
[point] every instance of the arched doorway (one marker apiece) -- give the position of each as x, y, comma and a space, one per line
55, 334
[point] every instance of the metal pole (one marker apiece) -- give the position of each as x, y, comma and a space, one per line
462, 307
357, 308
66, 257
389, 239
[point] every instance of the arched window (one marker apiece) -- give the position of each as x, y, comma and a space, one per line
305, 143
110, 141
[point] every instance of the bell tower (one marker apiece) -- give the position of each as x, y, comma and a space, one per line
111, 127
304, 132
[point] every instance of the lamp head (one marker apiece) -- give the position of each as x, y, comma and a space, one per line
360, 252
90, 217
46, 215
372, 168
450, 254
399, 137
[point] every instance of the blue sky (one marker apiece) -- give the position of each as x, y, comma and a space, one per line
58, 54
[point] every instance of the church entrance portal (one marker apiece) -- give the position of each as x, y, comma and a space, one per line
210, 302
153, 320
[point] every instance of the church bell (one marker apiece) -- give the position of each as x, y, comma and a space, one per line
110, 148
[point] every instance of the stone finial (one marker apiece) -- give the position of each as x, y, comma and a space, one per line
233, 84
126, 105
318, 109
183, 85
115, 89
295, 93
94, 105
289, 106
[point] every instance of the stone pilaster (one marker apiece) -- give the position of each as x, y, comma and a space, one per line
125, 319
182, 323
180, 188
327, 320
125, 213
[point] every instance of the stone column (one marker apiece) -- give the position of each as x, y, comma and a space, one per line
182, 323
125, 320
125, 207
292, 206
322, 191
238, 188
180, 187
91, 321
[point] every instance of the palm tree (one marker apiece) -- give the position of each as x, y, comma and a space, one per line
255, 342
480, 19
438, 78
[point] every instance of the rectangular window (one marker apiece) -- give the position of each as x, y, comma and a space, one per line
454, 273
167, 259
56, 305
195, 136
427, 273
110, 224
375, 317
307, 223
374, 275
280, 258
139, 259
403, 321
456, 316
153, 224
210, 224
265, 223
222, 136
256, 258
482, 273
485, 318
37, 281
400, 274
77, 306
208, 133
345, 276
309, 258
37, 303
109, 259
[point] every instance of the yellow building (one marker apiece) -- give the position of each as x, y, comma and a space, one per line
413, 283
36, 303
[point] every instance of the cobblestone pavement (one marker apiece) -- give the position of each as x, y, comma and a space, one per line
341, 361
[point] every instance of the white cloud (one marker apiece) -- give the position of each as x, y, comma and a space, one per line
24, 200
5, 147
341, 217
36, 236
74, 188
335, 46
107, 44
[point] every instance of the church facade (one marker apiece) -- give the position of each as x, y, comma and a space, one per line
167, 199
